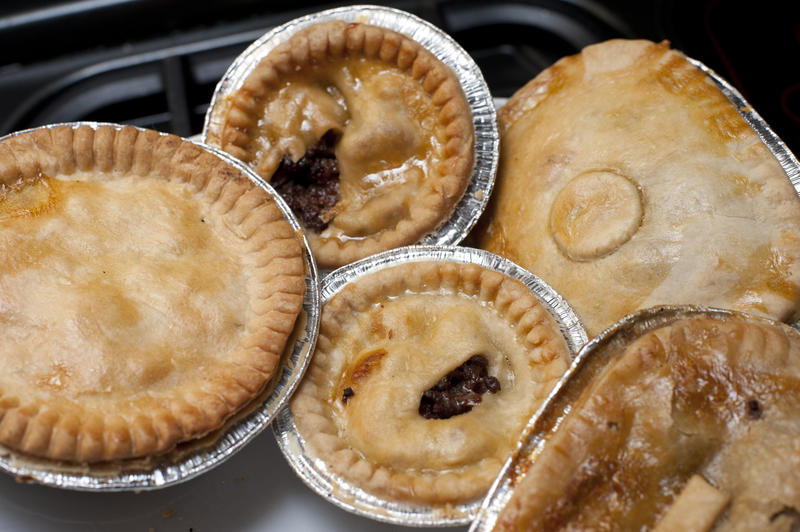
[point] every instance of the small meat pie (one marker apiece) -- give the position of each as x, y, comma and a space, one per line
628, 180
147, 290
364, 132
692, 425
423, 378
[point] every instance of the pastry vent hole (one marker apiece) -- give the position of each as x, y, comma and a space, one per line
754, 409
460, 390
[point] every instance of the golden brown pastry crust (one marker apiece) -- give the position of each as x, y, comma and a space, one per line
389, 337
708, 396
628, 180
405, 156
147, 290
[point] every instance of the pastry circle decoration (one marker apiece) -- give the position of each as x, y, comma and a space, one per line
148, 291
398, 153
424, 375
594, 214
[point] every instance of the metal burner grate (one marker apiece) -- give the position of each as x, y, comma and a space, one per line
155, 63
166, 83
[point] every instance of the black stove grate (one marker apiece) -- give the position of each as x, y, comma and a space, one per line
166, 84
160, 60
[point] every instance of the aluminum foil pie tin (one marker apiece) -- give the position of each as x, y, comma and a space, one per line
342, 492
484, 119
193, 458
591, 360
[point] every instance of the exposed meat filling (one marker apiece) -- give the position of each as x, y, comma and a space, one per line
458, 391
311, 185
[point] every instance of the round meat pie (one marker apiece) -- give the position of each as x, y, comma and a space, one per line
423, 378
365, 133
147, 290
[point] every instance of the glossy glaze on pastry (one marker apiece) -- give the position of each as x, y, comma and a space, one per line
390, 339
404, 132
147, 290
695, 424
628, 180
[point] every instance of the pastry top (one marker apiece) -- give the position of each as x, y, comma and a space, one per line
147, 290
628, 180
423, 378
701, 415
395, 125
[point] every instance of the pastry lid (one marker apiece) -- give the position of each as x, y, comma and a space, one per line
195, 457
345, 494
590, 362
484, 120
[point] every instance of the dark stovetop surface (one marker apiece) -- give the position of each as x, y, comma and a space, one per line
155, 63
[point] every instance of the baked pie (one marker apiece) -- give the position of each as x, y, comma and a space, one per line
423, 377
147, 290
691, 425
628, 180
365, 133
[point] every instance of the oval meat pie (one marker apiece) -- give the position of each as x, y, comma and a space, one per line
627, 180
147, 290
365, 133
423, 378
692, 424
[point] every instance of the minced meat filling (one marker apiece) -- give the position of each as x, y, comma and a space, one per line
458, 391
311, 185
